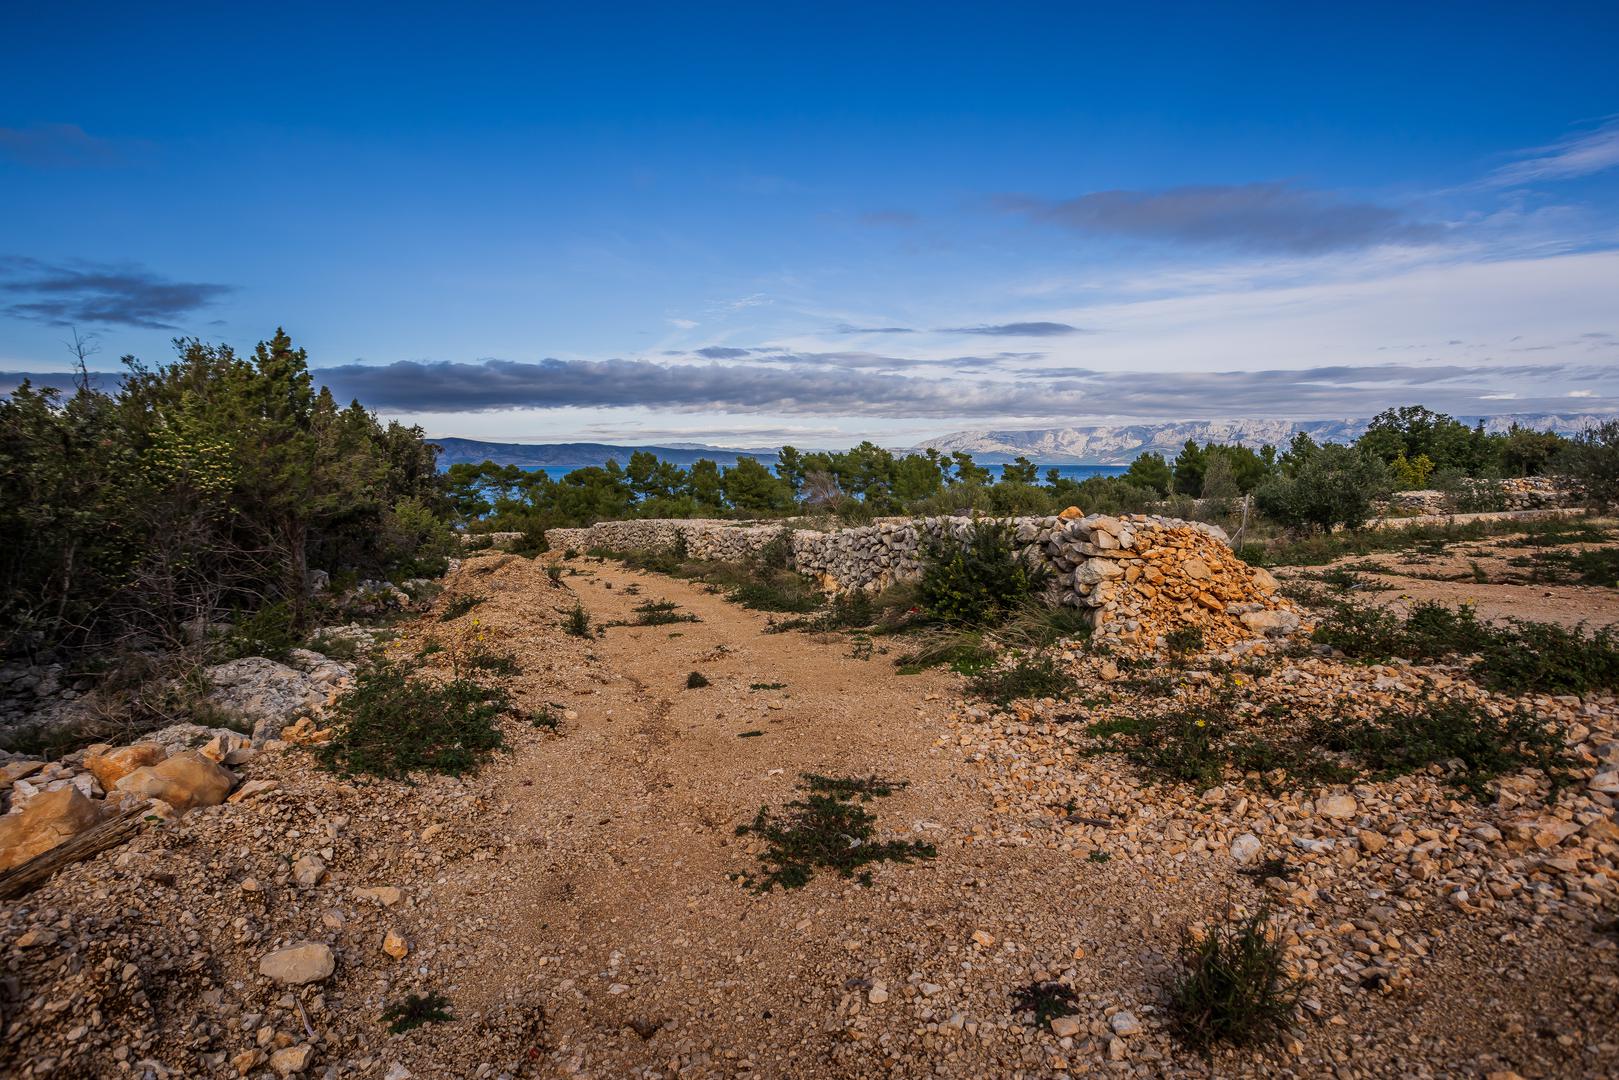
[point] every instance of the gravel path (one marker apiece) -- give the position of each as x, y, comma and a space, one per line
575, 900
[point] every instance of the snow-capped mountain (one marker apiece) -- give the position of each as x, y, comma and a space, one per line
1103, 444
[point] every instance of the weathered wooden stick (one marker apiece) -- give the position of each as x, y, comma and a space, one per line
38, 870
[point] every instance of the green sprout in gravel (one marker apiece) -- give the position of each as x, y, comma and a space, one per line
416, 1010
1044, 1002
827, 829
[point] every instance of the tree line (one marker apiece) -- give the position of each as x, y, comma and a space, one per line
215, 487
1302, 485
199, 491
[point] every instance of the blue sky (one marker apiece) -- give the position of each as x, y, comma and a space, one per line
751, 224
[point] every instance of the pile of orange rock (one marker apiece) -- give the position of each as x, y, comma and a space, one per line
1144, 576
49, 803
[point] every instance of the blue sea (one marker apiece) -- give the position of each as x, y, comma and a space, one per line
1067, 472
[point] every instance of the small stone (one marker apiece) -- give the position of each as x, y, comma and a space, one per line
1065, 1026
983, 940
1371, 842
395, 945
1124, 1022
247, 1061
1116, 1050
292, 1060
1244, 849
308, 871
296, 965
1337, 807
397, 1071
877, 994
37, 936
386, 895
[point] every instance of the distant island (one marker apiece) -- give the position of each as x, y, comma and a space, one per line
1092, 444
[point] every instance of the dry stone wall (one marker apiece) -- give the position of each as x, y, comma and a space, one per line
1139, 575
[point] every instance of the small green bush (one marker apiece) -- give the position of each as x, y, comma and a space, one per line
392, 724
460, 605
1033, 675
1044, 1002
981, 581
267, 631
416, 1010
794, 597
578, 622
827, 829
1233, 988
696, 681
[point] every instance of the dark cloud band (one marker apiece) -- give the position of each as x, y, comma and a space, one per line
1260, 217
60, 294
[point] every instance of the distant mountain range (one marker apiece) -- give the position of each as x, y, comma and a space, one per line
1101, 444
556, 455
1095, 444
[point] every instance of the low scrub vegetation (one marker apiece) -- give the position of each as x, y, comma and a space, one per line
416, 1010
1233, 987
827, 829
1026, 675
1516, 656
1205, 742
392, 723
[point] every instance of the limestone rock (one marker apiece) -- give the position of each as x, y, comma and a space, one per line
1244, 849
292, 1060
1270, 623
49, 819
1337, 807
184, 781
299, 964
395, 945
268, 694
111, 766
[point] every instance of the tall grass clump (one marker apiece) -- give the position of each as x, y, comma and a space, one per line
1233, 988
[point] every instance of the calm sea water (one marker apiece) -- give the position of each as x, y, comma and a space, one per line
1067, 472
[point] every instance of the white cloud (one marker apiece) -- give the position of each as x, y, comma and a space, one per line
1579, 155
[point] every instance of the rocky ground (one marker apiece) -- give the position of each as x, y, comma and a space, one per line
575, 902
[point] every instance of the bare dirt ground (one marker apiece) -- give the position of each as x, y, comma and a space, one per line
575, 901
615, 910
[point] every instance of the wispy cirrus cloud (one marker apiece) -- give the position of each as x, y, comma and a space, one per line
1016, 329
1010, 329
1266, 216
1567, 159
119, 294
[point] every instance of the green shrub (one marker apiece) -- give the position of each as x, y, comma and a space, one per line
1184, 642
268, 631
1233, 988
793, 596
1044, 1002
1029, 675
1474, 746
578, 622
1516, 657
696, 681
460, 605
392, 724
416, 1010
661, 613
980, 581
1524, 657
827, 829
